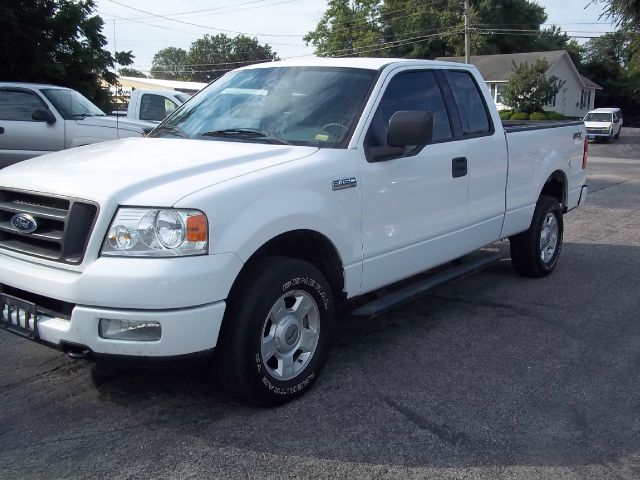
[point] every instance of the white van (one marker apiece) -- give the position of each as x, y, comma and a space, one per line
603, 123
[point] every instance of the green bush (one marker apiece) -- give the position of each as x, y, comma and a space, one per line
554, 115
520, 116
537, 116
505, 114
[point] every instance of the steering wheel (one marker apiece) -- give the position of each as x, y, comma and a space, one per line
335, 129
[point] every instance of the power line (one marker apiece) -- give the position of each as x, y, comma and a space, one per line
203, 26
220, 7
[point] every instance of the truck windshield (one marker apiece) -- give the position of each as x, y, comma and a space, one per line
71, 104
283, 105
597, 117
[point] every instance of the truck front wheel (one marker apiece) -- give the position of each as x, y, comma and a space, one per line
535, 252
276, 332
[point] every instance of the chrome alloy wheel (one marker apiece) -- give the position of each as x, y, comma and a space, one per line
290, 334
548, 237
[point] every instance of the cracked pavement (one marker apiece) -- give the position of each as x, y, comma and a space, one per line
491, 377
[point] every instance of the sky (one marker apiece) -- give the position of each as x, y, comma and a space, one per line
280, 23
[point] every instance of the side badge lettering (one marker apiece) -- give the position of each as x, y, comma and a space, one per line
344, 183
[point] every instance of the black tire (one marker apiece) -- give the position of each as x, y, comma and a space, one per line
526, 248
239, 364
619, 132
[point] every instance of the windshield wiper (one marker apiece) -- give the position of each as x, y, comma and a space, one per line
165, 128
246, 133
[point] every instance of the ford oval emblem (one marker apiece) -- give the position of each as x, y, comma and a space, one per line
24, 223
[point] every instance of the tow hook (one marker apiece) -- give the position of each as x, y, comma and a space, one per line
78, 353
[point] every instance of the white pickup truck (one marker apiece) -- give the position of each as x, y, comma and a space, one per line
281, 192
154, 105
36, 119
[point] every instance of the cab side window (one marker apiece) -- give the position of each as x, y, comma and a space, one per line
15, 105
155, 107
416, 90
473, 112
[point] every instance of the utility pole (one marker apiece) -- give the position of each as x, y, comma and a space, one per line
467, 33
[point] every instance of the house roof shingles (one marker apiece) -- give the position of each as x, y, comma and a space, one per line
499, 68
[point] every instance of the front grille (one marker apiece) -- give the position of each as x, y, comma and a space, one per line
63, 228
597, 130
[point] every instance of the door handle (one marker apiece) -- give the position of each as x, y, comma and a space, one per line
1, 130
459, 167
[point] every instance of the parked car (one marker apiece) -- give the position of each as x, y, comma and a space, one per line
604, 123
36, 119
154, 105
280, 194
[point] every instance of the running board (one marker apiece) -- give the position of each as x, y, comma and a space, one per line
406, 294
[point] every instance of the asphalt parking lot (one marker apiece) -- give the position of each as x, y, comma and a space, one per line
492, 377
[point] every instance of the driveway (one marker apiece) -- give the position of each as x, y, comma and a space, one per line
492, 377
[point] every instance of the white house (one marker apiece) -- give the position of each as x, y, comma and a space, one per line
576, 97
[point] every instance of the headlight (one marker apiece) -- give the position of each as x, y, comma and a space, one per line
156, 232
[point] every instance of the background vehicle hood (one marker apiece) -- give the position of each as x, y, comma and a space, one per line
122, 123
145, 171
597, 124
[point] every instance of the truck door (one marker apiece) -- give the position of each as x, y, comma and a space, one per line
486, 157
415, 205
21, 137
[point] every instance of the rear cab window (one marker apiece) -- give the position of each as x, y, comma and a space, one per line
473, 111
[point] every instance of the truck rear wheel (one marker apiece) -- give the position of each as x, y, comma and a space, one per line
276, 332
535, 252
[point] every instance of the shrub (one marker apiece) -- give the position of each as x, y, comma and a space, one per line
520, 116
551, 115
537, 116
505, 114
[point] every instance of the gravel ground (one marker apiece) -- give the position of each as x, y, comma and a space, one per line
492, 377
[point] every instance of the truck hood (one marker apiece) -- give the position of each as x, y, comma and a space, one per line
145, 171
122, 123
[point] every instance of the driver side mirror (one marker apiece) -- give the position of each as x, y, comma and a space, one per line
410, 128
406, 128
43, 115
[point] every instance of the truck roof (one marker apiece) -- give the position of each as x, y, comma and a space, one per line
354, 62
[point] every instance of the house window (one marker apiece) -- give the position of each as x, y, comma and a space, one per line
499, 91
493, 91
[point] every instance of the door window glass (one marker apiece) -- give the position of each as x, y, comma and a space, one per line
410, 91
18, 105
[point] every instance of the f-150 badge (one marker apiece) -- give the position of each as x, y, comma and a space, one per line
344, 183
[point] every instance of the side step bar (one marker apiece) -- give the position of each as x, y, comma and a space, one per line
406, 294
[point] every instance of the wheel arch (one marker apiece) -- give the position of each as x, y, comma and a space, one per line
308, 245
556, 186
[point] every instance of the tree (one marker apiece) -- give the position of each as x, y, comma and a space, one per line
555, 39
131, 72
348, 28
529, 88
170, 64
209, 57
419, 29
626, 14
58, 42
212, 56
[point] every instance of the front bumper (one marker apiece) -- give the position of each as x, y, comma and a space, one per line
185, 295
184, 331
598, 134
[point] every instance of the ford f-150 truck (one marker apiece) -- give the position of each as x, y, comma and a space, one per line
36, 119
282, 193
